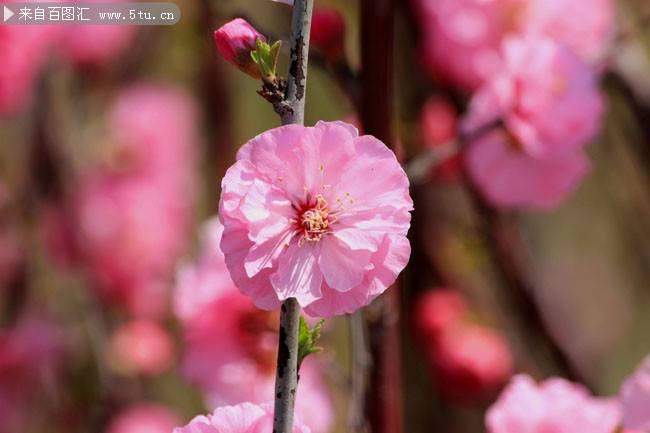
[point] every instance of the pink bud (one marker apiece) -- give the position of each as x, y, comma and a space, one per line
471, 362
328, 33
235, 40
438, 310
141, 347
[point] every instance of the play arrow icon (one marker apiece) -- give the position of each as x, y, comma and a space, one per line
8, 13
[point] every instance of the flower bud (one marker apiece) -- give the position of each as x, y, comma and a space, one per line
235, 41
141, 347
328, 34
438, 310
471, 362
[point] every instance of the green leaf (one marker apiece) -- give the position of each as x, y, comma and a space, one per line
275, 54
266, 57
307, 339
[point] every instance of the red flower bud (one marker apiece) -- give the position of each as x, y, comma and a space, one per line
235, 40
328, 33
470, 362
436, 311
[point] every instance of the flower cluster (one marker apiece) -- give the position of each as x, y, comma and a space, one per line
533, 68
134, 213
27, 49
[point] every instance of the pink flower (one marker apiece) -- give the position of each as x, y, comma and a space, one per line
235, 40
144, 418
328, 33
231, 346
549, 103
510, 178
635, 398
547, 97
96, 45
318, 214
141, 347
461, 38
586, 26
438, 310
470, 362
134, 216
24, 51
243, 418
554, 406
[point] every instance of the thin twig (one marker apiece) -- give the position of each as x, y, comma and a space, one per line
286, 379
297, 79
360, 363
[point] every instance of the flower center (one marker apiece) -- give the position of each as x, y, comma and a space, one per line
315, 221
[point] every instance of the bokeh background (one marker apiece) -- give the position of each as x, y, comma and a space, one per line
113, 142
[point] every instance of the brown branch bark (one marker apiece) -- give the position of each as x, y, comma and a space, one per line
383, 403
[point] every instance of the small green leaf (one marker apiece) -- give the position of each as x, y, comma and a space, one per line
275, 54
255, 57
266, 58
307, 339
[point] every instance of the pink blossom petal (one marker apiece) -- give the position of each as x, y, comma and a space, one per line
341, 266
298, 275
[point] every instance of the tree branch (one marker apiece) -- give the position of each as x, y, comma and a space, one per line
286, 379
383, 401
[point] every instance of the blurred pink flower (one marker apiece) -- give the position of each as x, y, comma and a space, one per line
461, 38
134, 217
586, 26
510, 178
243, 418
235, 40
144, 418
299, 222
471, 362
24, 51
231, 346
554, 406
141, 347
635, 398
31, 355
438, 310
95, 45
547, 97
549, 103
328, 33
